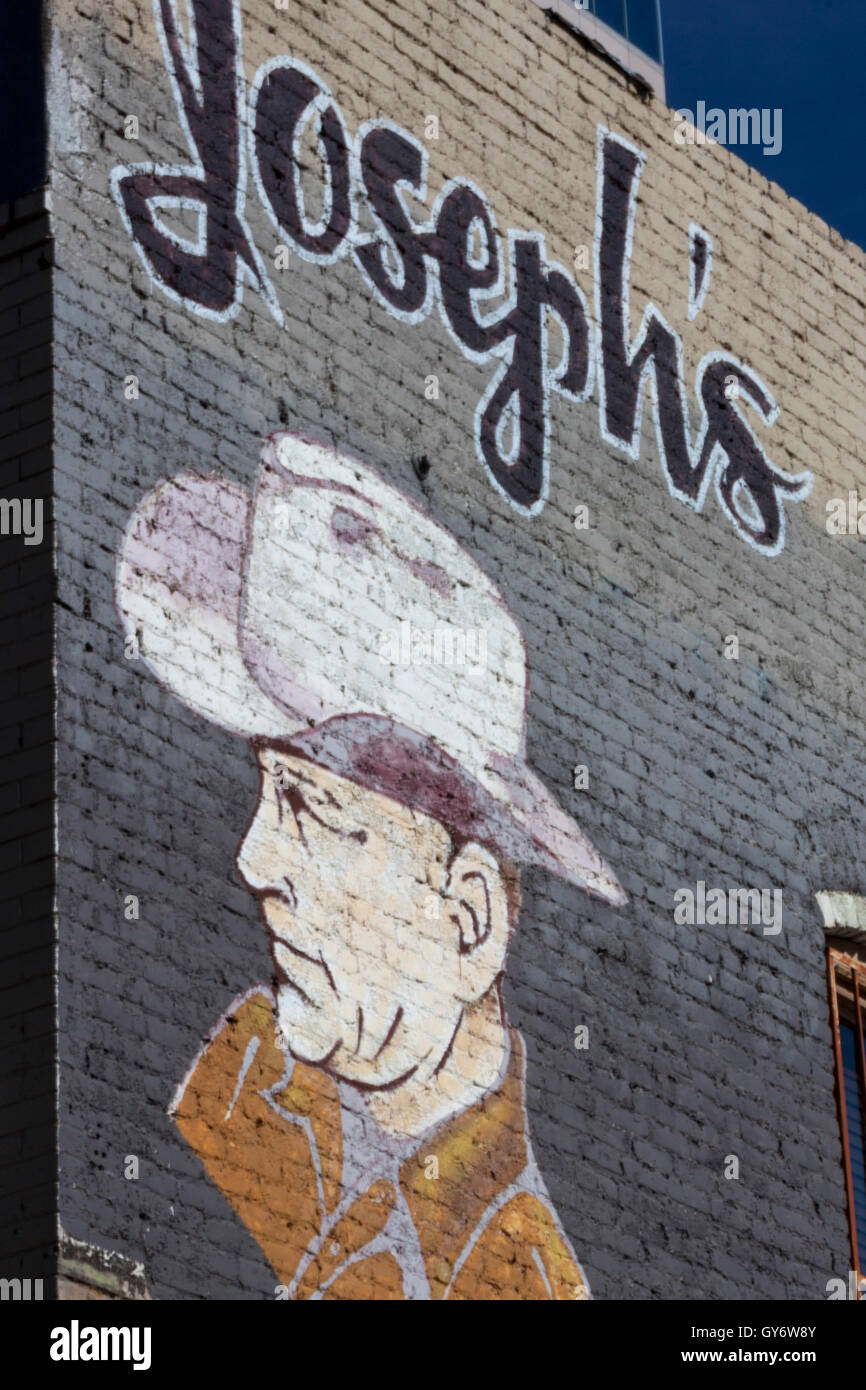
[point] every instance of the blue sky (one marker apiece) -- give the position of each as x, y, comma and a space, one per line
807, 58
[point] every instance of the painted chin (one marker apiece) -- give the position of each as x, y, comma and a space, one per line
381, 1063
368, 1076
311, 1034
316, 1036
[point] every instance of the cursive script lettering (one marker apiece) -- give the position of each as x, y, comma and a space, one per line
496, 296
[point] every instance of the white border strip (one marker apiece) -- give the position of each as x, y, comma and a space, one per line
844, 914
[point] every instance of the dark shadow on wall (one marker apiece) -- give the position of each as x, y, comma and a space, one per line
28, 1040
22, 98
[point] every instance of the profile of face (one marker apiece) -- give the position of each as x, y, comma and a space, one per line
385, 936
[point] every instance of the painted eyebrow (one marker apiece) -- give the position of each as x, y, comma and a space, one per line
294, 798
309, 782
296, 801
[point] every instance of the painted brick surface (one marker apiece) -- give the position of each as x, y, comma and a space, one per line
28, 1134
705, 1041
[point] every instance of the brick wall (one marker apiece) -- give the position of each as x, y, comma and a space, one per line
28, 1135
704, 1041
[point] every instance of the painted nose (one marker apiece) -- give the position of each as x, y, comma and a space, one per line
264, 853
268, 852
251, 859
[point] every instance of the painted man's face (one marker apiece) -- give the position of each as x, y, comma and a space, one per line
380, 941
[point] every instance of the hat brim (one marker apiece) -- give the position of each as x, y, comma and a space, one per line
526, 823
179, 592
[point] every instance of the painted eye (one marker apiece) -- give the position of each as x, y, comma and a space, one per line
351, 529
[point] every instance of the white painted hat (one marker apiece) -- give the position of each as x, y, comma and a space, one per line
281, 615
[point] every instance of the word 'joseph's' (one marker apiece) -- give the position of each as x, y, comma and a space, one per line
495, 303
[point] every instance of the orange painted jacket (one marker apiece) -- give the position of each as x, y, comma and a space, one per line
271, 1133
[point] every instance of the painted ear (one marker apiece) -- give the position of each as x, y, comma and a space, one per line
478, 905
472, 910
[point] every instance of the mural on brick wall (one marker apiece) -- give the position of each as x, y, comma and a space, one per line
497, 297
364, 1113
